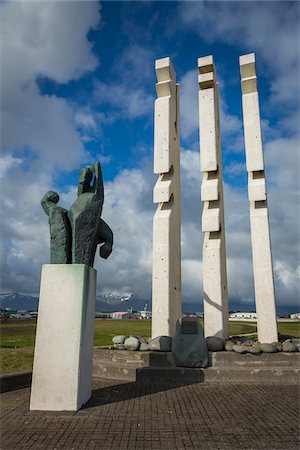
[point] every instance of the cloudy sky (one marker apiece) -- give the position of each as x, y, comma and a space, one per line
78, 84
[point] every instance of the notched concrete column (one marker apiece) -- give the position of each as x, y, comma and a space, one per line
259, 220
214, 248
166, 275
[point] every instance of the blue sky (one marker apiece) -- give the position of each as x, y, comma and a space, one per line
78, 84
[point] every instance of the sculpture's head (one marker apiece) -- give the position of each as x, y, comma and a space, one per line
51, 197
49, 200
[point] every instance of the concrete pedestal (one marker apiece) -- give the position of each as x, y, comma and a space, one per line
63, 357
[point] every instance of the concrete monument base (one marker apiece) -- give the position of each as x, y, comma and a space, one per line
63, 357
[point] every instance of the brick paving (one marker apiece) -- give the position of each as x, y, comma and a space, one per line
159, 416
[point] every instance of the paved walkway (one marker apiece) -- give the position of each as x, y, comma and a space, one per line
159, 416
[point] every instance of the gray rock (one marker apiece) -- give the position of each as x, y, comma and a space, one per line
160, 344
239, 348
279, 346
144, 347
189, 346
269, 348
143, 340
120, 339
132, 343
119, 347
229, 346
296, 342
254, 348
288, 346
214, 344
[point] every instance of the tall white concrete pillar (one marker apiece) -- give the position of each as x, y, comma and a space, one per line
166, 275
259, 220
214, 248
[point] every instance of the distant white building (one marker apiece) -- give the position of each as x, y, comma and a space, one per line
243, 315
123, 315
295, 316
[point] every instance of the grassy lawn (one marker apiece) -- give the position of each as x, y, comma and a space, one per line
17, 337
106, 329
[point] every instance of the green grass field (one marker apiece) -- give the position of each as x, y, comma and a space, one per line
17, 337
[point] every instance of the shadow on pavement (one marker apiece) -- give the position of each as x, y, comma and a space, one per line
127, 391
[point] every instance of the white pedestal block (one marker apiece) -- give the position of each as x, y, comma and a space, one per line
63, 357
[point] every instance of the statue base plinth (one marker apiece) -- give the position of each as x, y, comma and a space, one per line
63, 356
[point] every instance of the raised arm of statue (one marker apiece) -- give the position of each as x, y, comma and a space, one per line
98, 179
84, 183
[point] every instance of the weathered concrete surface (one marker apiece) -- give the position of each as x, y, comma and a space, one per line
213, 226
63, 356
166, 271
125, 365
12, 381
259, 219
227, 367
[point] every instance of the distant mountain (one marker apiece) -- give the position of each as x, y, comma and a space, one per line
15, 300
108, 302
114, 302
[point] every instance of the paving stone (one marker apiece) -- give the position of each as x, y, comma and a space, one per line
159, 416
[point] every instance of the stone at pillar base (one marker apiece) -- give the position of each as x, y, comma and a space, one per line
63, 357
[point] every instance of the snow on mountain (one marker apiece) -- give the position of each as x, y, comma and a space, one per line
15, 300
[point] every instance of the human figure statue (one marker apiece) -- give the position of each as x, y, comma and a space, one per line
60, 230
80, 229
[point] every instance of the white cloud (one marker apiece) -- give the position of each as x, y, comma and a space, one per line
6, 163
127, 102
38, 132
131, 92
189, 104
50, 42
271, 30
234, 169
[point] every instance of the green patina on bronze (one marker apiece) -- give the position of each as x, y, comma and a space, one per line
75, 234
